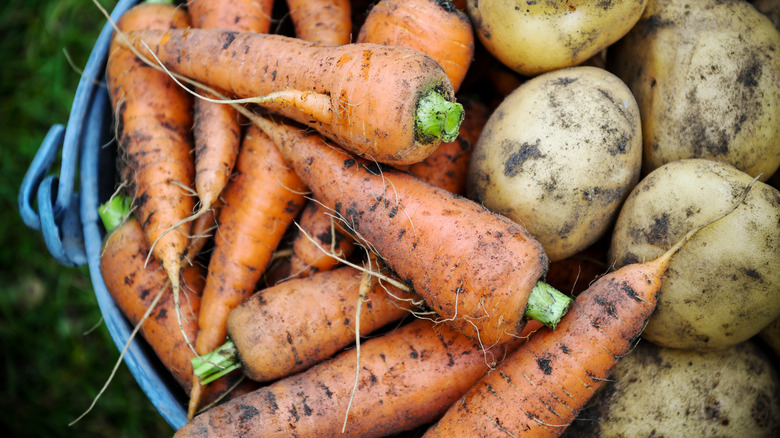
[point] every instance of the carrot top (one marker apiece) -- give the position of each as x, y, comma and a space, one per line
439, 118
114, 212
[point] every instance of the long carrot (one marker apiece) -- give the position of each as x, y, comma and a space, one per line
474, 268
433, 27
391, 104
320, 238
539, 389
217, 133
408, 377
322, 21
289, 327
153, 122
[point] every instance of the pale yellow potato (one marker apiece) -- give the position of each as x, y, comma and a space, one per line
665, 392
533, 37
723, 286
706, 76
559, 155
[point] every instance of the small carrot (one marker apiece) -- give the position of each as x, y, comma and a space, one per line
320, 238
434, 27
391, 104
408, 377
322, 21
289, 327
476, 269
539, 389
217, 133
153, 122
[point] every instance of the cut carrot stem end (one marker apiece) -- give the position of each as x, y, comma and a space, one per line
114, 212
547, 304
438, 117
216, 364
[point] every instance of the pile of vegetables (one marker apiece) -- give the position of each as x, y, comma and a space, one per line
450, 218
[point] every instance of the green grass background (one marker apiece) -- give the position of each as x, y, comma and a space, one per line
51, 364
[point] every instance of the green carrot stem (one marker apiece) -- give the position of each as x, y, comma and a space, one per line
438, 117
547, 305
212, 366
114, 212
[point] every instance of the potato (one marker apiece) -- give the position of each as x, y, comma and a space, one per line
559, 155
770, 8
723, 286
664, 392
533, 37
706, 76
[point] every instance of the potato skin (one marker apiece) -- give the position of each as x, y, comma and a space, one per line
559, 155
664, 392
533, 37
723, 286
706, 76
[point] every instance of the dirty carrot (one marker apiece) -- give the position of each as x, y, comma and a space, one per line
433, 27
318, 231
408, 377
475, 268
217, 133
391, 104
322, 21
153, 123
538, 390
289, 327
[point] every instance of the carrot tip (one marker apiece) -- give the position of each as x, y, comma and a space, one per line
547, 305
114, 212
438, 117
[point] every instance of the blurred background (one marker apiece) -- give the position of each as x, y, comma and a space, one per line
56, 352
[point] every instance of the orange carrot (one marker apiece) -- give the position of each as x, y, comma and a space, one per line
217, 133
407, 378
448, 166
474, 268
322, 21
153, 122
391, 104
288, 328
433, 27
260, 202
202, 231
320, 232
539, 389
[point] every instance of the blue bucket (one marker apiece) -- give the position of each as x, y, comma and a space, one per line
69, 221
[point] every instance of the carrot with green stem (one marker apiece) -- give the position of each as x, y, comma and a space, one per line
476, 269
539, 389
391, 104
322, 21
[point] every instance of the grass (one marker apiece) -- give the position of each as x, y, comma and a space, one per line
53, 361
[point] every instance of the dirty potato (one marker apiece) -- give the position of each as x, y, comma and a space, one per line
559, 155
723, 286
706, 76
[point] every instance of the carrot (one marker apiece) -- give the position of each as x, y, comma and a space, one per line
388, 103
448, 166
408, 377
539, 389
153, 122
319, 231
217, 133
134, 285
288, 328
202, 231
433, 27
474, 268
323, 21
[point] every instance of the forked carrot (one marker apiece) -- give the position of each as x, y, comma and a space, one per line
476, 269
433, 27
320, 238
539, 389
322, 21
391, 104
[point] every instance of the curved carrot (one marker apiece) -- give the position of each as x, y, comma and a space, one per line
539, 389
392, 104
319, 232
474, 268
216, 132
153, 117
433, 27
322, 21
407, 378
